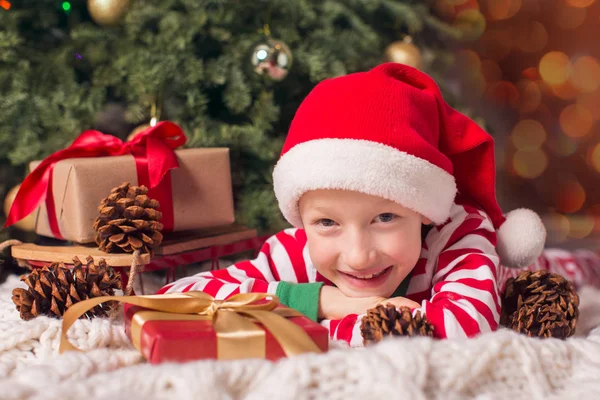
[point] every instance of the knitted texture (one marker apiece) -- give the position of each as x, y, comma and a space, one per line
497, 365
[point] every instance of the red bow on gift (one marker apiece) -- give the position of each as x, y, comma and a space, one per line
152, 150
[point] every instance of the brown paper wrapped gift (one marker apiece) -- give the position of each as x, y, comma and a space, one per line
202, 194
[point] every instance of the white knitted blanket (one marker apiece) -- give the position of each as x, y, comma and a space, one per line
499, 365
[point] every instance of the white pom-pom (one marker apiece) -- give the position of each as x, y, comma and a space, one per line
521, 238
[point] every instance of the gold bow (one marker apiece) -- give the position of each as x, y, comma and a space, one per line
233, 320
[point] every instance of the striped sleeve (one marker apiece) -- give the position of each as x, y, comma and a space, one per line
346, 329
465, 300
281, 258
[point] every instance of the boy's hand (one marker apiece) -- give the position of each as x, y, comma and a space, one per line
333, 304
401, 302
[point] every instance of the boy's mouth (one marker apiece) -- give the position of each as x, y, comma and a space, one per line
367, 281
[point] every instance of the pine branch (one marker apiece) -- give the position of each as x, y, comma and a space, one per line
59, 73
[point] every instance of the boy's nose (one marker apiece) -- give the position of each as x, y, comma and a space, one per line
358, 253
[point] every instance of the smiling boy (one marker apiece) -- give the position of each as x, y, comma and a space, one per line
391, 194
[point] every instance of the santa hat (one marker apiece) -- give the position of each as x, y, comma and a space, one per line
389, 133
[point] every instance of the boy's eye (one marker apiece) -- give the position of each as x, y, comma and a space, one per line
326, 222
386, 217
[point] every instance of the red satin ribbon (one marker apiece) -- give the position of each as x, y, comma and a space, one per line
152, 150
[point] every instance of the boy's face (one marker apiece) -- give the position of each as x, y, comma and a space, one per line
365, 245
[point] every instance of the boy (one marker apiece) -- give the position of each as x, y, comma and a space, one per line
371, 161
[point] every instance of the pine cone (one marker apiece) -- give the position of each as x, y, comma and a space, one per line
128, 221
540, 304
386, 320
55, 288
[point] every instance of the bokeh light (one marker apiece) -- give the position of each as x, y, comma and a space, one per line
546, 89
538, 60
580, 3
594, 212
5, 4
496, 43
447, 9
576, 121
570, 196
594, 157
66, 6
586, 74
476, 85
471, 24
533, 37
528, 135
454, 3
568, 17
565, 90
561, 145
491, 71
545, 116
557, 225
531, 96
531, 73
503, 94
503, 9
580, 226
555, 67
468, 60
530, 164
590, 101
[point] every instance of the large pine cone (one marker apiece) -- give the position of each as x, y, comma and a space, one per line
387, 320
53, 289
540, 304
128, 221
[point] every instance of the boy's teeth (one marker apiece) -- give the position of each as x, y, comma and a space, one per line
371, 275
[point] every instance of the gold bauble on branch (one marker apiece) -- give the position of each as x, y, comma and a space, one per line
141, 128
404, 52
27, 224
107, 12
137, 130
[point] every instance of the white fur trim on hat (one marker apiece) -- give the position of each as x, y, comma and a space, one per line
521, 238
363, 166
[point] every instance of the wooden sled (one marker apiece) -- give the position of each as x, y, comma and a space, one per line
177, 250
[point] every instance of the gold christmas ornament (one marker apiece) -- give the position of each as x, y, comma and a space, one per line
404, 52
272, 58
107, 12
27, 224
155, 113
143, 127
137, 130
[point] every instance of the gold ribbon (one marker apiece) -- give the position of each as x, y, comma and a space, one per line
233, 320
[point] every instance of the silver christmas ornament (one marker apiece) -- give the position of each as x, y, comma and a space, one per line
272, 58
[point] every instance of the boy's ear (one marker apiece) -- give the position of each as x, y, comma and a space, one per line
425, 220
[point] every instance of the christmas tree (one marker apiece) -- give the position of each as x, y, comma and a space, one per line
112, 65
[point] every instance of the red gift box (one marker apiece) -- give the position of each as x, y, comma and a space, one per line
166, 340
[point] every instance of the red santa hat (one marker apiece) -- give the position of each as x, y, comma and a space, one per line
389, 133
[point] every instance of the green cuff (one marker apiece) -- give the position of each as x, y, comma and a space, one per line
303, 297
